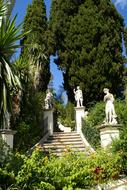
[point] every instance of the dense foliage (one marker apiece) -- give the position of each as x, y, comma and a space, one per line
33, 70
65, 114
125, 38
87, 37
71, 171
9, 35
27, 109
85, 43
91, 123
29, 123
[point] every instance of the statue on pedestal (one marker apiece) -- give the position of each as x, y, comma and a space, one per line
109, 108
78, 97
49, 100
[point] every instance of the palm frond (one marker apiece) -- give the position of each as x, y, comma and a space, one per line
9, 35
3, 8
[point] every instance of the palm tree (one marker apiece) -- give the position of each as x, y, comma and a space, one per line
9, 34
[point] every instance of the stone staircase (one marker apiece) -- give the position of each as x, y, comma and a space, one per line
61, 142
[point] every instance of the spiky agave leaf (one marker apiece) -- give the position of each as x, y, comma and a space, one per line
9, 34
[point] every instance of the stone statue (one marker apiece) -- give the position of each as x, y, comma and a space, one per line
78, 97
6, 121
109, 108
49, 100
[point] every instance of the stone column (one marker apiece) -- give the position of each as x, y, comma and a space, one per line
108, 133
48, 115
80, 113
8, 136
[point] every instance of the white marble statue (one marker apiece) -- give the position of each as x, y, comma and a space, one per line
49, 100
78, 97
109, 108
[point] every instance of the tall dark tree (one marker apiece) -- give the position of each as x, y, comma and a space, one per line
35, 44
87, 36
125, 38
33, 71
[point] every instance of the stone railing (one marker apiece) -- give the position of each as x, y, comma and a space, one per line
47, 125
120, 184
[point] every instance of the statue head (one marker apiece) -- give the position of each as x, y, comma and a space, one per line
105, 90
78, 87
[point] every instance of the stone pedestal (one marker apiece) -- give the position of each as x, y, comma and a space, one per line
80, 113
8, 136
48, 117
108, 133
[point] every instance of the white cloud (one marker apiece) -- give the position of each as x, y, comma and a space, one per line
121, 3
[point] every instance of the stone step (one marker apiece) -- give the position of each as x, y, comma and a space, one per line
65, 133
63, 146
64, 136
61, 142
50, 140
57, 150
64, 143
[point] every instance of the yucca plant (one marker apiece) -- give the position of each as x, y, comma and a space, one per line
38, 60
22, 69
9, 34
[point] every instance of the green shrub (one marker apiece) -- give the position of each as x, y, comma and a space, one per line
90, 125
66, 115
29, 123
120, 145
96, 117
72, 170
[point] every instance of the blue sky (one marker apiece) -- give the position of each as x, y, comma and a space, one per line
121, 6
20, 10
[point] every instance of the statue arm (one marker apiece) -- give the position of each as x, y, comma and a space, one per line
112, 97
81, 94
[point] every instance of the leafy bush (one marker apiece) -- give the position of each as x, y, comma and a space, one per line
70, 171
6, 155
29, 123
120, 145
66, 115
90, 125
96, 117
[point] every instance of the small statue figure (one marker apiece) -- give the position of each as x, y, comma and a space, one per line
78, 97
6, 122
48, 100
109, 108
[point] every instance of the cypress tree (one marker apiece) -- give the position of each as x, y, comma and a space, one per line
35, 44
89, 45
33, 70
125, 38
